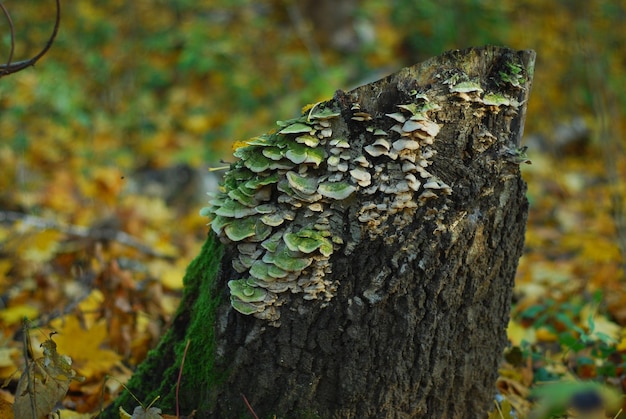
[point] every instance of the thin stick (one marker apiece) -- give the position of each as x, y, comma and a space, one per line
499, 409
254, 415
28, 367
180, 375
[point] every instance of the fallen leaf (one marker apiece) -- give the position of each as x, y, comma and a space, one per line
43, 384
170, 275
14, 315
70, 414
150, 413
6, 409
90, 306
85, 346
41, 246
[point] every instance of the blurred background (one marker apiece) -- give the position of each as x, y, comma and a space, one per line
106, 142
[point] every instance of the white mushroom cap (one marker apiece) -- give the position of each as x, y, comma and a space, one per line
397, 116
427, 194
362, 161
414, 184
403, 144
408, 166
376, 151
361, 176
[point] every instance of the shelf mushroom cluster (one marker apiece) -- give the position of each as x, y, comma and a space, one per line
396, 166
279, 203
275, 206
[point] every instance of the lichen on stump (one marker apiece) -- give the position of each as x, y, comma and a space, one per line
371, 246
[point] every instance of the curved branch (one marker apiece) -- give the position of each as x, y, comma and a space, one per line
10, 68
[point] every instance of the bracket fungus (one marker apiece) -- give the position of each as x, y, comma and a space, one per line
274, 205
277, 200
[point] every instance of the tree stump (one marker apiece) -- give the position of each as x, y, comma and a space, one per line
368, 257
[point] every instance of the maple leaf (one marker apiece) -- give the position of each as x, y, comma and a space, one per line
85, 346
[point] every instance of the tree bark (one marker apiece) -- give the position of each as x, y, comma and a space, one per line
411, 320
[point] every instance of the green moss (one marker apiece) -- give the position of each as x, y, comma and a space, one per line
158, 374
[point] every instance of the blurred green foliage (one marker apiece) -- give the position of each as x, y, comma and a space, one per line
149, 75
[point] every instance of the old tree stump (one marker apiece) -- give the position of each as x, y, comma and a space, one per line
362, 256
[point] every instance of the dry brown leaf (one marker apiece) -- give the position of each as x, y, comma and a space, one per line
43, 384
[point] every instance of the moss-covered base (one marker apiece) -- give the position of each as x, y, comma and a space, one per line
194, 321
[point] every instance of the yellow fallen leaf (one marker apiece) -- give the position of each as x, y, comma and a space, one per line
85, 346
544, 335
123, 413
14, 315
601, 324
518, 333
70, 414
90, 307
171, 276
41, 246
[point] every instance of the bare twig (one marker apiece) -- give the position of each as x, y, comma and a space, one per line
10, 67
28, 354
249, 407
180, 376
80, 231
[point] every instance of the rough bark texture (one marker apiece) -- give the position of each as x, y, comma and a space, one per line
418, 321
